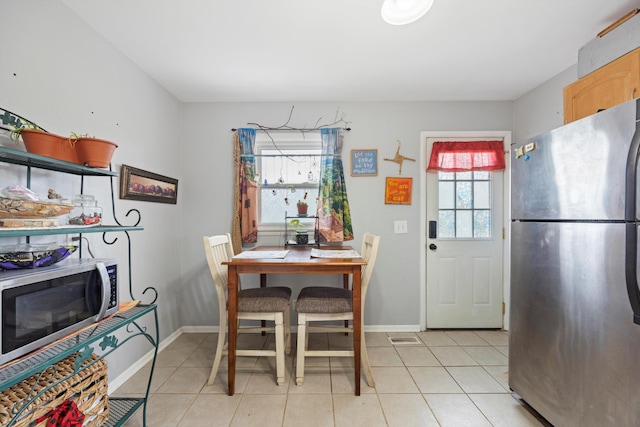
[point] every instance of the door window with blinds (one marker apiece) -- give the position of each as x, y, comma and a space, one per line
464, 205
289, 171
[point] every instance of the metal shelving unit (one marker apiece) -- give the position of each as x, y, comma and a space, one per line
18, 157
65, 230
100, 338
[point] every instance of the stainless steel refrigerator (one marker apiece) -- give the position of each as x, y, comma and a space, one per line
574, 344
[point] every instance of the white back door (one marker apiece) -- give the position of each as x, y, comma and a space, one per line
465, 247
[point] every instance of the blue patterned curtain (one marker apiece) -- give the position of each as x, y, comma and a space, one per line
333, 204
245, 218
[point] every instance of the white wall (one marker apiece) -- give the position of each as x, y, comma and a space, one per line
542, 108
59, 73
393, 298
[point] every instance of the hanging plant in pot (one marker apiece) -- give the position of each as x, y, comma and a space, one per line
93, 152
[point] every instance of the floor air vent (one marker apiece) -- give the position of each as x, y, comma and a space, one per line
404, 341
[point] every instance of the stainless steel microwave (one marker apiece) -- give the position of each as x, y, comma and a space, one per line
39, 306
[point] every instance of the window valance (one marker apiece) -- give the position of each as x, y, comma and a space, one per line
462, 156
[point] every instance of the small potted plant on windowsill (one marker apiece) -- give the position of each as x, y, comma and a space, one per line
302, 235
302, 208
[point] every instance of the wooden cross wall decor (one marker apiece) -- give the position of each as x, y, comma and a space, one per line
399, 158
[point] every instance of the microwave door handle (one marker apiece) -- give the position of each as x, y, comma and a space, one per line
106, 289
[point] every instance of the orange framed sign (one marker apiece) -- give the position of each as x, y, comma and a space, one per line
398, 191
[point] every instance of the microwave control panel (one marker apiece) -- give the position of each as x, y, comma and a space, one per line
112, 270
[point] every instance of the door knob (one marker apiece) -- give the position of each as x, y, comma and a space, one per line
433, 247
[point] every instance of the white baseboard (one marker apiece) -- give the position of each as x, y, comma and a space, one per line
200, 329
148, 357
392, 328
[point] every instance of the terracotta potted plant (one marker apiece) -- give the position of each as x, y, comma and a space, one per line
38, 141
302, 208
94, 152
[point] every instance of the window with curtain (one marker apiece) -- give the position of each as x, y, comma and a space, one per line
461, 156
278, 169
465, 186
288, 172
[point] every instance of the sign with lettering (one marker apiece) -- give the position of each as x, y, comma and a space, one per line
398, 191
364, 162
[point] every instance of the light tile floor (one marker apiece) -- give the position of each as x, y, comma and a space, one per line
448, 378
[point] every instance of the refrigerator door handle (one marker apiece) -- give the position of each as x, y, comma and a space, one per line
631, 216
631, 271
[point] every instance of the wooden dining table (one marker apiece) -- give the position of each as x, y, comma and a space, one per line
298, 260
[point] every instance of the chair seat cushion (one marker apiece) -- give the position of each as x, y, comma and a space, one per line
324, 299
264, 300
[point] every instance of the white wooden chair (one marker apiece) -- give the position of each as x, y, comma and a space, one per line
323, 303
269, 303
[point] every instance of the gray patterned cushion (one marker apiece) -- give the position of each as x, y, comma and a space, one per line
264, 300
324, 299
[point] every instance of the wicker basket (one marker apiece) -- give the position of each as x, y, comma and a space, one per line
87, 388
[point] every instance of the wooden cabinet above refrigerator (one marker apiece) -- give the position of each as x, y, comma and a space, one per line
608, 86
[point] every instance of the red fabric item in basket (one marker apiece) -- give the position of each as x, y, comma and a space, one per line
65, 415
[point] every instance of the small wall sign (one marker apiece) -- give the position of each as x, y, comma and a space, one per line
364, 162
398, 191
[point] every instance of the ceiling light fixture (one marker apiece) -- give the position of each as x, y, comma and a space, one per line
402, 12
